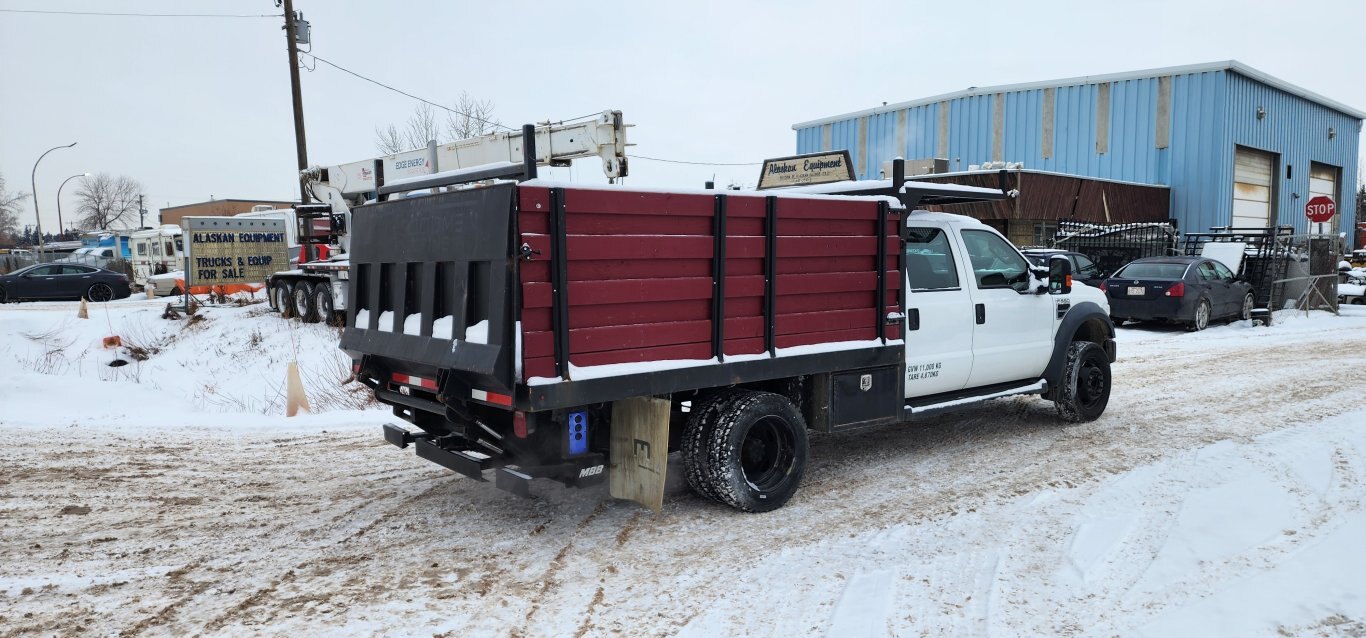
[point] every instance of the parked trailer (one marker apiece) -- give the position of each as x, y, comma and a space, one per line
542, 330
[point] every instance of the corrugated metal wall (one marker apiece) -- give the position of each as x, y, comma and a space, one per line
1176, 130
1296, 129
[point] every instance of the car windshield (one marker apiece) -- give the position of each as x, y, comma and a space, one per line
1151, 270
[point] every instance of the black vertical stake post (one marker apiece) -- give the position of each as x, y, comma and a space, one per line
770, 274
559, 281
718, 280
882, 210
379, 180
529, 150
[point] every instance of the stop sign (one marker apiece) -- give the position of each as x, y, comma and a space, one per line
1320, 209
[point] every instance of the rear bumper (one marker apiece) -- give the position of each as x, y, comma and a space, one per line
1164, 308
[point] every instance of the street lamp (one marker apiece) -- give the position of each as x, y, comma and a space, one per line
33, 180
60, 227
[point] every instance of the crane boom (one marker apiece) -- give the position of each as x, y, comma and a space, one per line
602, 136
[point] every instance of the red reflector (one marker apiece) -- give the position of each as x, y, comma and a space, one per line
491, 397
355, 366
1178, 289
1104, 287
519, 424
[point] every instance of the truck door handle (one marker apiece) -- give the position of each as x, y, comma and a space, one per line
912, 319
981, 313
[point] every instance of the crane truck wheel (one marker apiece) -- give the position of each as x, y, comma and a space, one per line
696, 441
756, 451
281, 294
1085, 388
322, 303
304, 308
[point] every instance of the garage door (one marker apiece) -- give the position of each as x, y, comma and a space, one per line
1252, 192
1323, 180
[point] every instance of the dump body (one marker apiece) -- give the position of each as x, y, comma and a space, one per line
560, 295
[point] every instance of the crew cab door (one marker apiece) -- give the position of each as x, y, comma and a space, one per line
938, 323
1012, 337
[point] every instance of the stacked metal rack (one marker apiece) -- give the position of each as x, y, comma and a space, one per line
1112, 246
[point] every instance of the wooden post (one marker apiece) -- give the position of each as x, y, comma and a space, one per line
640, 450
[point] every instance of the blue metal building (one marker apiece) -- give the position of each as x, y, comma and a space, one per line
1234, 145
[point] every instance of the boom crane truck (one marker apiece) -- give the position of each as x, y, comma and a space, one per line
316, 289
526, 329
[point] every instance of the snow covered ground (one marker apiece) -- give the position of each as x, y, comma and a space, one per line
1220, 495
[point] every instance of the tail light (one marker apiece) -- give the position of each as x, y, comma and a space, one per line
1177, 289
519, 424
1104, 286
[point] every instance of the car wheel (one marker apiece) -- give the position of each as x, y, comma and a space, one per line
1248, 302
281, 296
1085, 385
3, 297
757, 451
322, 302
1201, 320
99, 292
304, 308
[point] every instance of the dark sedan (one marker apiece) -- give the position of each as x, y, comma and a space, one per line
1189, 290
63, 281
1083, 269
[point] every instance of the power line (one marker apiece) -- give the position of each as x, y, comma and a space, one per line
402, 92
144, 15
660, 159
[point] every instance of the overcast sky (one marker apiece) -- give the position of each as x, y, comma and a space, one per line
197, 108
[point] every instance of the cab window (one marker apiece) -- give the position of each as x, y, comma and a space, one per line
995, 263
1086, 267
929, 261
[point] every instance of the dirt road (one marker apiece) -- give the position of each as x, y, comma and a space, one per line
215, 531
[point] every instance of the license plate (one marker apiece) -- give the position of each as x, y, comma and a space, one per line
1136, 291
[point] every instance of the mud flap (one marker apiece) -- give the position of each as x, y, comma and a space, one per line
640, 450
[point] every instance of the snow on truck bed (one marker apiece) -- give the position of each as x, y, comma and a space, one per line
1220, 494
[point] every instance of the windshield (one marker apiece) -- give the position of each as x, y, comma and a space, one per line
1150, 270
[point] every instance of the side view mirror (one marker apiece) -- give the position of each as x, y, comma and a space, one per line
1059, 275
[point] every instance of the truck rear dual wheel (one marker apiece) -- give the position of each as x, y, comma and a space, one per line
302, 302
746, 449
281, 297
1085, 389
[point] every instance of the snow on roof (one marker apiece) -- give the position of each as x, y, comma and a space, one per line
933, 216
1223, 65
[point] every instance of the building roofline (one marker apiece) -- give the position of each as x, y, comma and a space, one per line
232, 199
1223, 65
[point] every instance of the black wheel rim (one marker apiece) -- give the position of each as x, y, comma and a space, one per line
768, 453
101, 292
1090, 384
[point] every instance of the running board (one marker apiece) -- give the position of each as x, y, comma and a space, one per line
1038, 387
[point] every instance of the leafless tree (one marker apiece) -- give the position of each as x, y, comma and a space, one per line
420, 128
105, 200
9, 212
471, 117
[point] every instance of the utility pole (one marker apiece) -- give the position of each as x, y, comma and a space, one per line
301, 148
142, 212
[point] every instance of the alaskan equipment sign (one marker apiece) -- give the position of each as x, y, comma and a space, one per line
233, 250
800, 170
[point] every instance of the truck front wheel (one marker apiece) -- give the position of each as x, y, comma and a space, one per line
756, 451
1085, 385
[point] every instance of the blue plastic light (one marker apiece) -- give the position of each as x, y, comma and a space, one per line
578, 433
